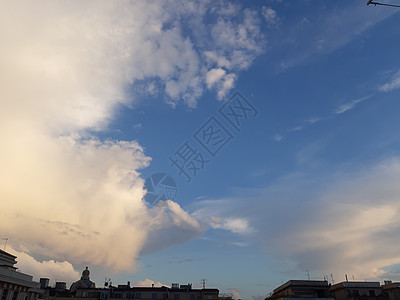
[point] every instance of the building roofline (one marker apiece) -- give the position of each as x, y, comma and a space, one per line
390, 285
6, 253
355, 284
149, 288
319, 283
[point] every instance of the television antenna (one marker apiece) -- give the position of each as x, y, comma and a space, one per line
5, 243
382, 4
203, 283
107, 282
308, 274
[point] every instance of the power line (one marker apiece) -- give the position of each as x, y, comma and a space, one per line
382, 4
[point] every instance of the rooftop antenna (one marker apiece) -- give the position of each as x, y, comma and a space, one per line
203, 283
383, 4
107, 282
308, 274
333, 281
5, 243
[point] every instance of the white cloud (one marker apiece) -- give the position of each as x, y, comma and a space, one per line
393, 84
88, 56
65, 70
236, 225
277, 137
138, 126
181, 217
342, 223
313, 120
227, 84
212, 213
213, 76
237, 42
270, 15
214, 58
235, 293
297, 128
224, 82
81, 200
149, 283
355, 224
349, 105
63, 270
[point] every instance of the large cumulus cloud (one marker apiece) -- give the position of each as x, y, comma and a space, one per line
66, 66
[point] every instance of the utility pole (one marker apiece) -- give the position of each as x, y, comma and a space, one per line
308, 274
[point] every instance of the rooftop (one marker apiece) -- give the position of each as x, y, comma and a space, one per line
355, 284
305, 283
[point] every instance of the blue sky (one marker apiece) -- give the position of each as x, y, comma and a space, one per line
99, 96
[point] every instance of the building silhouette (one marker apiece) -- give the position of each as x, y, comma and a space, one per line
16, 285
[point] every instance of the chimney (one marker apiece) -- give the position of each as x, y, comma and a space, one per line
44, 283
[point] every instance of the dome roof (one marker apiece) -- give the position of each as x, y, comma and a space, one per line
84, 282
86, 274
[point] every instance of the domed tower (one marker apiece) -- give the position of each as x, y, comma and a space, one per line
86, 274
85, 282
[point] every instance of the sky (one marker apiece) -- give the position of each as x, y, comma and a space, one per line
273, 123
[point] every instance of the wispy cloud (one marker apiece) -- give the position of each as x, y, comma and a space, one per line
270, 15
314, 120
350, 105
138, 126
297, 128
236, 225
393, 84
277, 137
329, 30
330, 217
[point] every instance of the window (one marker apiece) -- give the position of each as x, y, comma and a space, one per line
372, 293
154, 296
177, 297
192, 297
165, 296
15, 296
4, 296
138, 295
